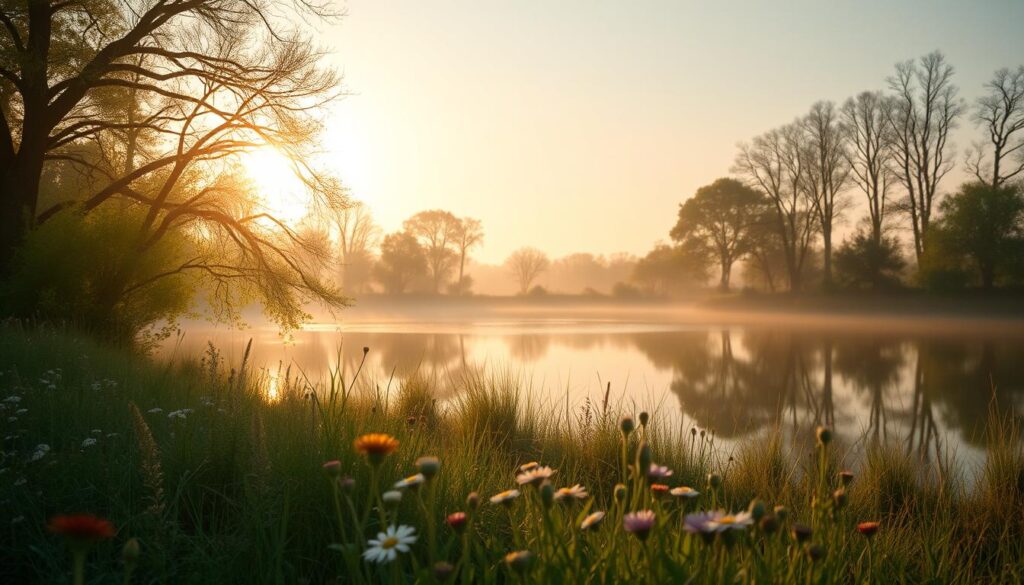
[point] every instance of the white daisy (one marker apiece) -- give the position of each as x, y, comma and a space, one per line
567, 493
388, 544
413, 481
505, 497
535, 475
684, 492
88, 442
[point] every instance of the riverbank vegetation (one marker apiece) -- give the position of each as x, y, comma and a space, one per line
218, 472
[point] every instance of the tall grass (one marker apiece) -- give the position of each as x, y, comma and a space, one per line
220, 484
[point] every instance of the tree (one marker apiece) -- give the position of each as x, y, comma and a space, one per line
984, 225
437, 232
469, 234
358, 235
925, 110
828, 169
154, 104
866, 263
526, 264
775, 163
1001, 114
666, 269
402, 261
720, 216
870, 156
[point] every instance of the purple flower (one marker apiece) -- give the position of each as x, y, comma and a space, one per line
639, 523
656, 472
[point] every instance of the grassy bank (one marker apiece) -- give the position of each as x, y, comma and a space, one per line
219, 484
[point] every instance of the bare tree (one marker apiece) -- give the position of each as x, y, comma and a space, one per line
870, 156
469, 234
437, 232
1001, 114
828, 171
926, 109
774, 163
527, 264
358, 235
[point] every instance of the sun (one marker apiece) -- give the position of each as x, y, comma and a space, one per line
280, 191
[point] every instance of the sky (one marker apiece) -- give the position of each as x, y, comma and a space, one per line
579, 126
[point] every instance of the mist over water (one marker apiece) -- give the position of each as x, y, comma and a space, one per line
926, 387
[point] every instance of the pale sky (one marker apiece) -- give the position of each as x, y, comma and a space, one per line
580, 126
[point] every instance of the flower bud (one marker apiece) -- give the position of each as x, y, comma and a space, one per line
801, 532
473, 500
131, 551
756, 510
769, 524
428, 466
443, 570
714, 480
457, 521
347, 484
644, 418
391, 498
815, 552
332, 468
644, 456
839, 498
824, 436
520, 561
366, 350
626, 425
846, 478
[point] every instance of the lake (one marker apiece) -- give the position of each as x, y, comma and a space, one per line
925, 383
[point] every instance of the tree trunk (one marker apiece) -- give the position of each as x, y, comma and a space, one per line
827, 258
19, 195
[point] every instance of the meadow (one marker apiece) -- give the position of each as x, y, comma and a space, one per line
195, 476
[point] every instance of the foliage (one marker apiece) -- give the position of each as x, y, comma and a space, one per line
668, 270
220, 484
865, 263
720, 217
402, 261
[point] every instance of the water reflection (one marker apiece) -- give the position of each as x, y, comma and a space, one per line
922, 390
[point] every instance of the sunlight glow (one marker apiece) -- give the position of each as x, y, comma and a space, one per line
281, 192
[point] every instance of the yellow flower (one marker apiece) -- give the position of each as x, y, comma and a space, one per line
376, 446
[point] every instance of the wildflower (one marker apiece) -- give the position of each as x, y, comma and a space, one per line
12, 399
180, 414
443, 570
96, 432
639, 523
20, 411
81, 528
387, 545
846, 478
412, 482
535, 476
722, 522
700, 523
659, 489
592, 520
868, 529
156, 410
130, 552
506, 497
824, 436
520, 561
528, 466
347, 483
457, 521
391, 498
332, 468
567, 494
626, 425
376, 446
684, 492
473, 501
88, 442
839, 498
41, 450
801, 532
656, 472
428, 466
769, 524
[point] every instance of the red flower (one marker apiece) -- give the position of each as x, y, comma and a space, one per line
659, 489
868, 529
81, 527
457, 521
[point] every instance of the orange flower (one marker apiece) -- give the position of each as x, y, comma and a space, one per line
376, 446
659, 489
868, 529
82, 527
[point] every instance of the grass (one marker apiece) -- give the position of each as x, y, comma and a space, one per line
220, 485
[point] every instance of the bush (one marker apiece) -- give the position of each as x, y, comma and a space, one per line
865, 263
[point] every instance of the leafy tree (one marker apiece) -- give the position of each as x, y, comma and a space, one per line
863, 262
438, 232
720, 217
982, 227
151, 105
667, 270
526, 264
402, 261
